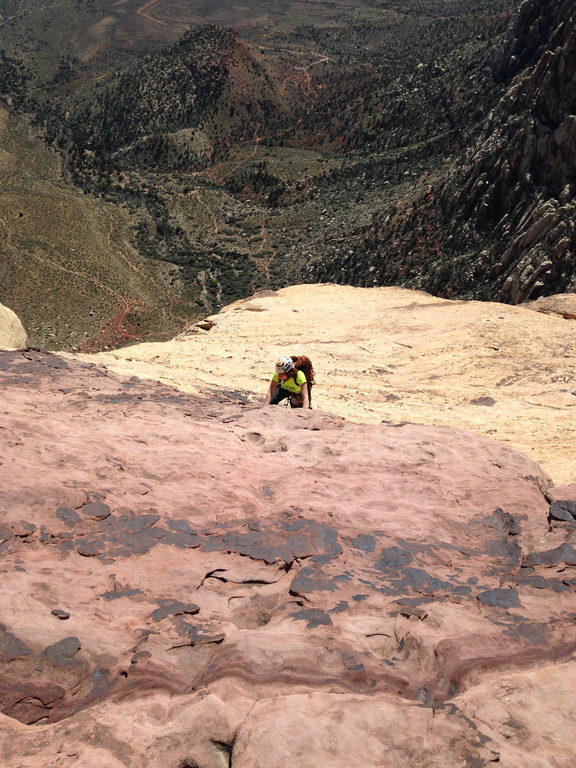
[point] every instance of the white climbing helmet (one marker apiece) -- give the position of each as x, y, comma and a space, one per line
284, 365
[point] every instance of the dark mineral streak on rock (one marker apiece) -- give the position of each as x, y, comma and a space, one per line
393, 558
196, 633
499, 598
180, 526
483, 401
182, 540
313, 580
62, 653
140, 656
313, 616
565, 553
540, 582
563, 510
537, 634
173, 608
364, 543
116, 594
421, 581
90, 548
68, 516
285, 542
96, 510
11, 647
502, 522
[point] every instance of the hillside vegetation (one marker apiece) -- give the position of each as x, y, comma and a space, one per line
356, 144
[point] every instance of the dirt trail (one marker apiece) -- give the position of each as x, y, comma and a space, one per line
114, 332
145, 9
8, 240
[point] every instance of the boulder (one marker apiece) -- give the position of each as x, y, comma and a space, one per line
12, 333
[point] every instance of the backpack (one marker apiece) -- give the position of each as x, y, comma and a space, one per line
304, 364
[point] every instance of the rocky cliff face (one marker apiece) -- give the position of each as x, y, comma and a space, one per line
501, 222
519, 178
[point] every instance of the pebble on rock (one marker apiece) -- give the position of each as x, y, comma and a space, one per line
60, 614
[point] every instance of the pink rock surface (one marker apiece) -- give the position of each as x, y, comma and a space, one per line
190, 582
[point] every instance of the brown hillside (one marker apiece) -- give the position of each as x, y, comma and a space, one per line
66, 266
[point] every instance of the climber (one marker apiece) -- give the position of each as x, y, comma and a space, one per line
293, 378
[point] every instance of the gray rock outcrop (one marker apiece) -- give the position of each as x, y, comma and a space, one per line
500, 222
518, 185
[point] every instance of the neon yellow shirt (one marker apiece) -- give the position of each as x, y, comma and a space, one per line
291, 384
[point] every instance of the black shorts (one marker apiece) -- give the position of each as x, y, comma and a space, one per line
282, 394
